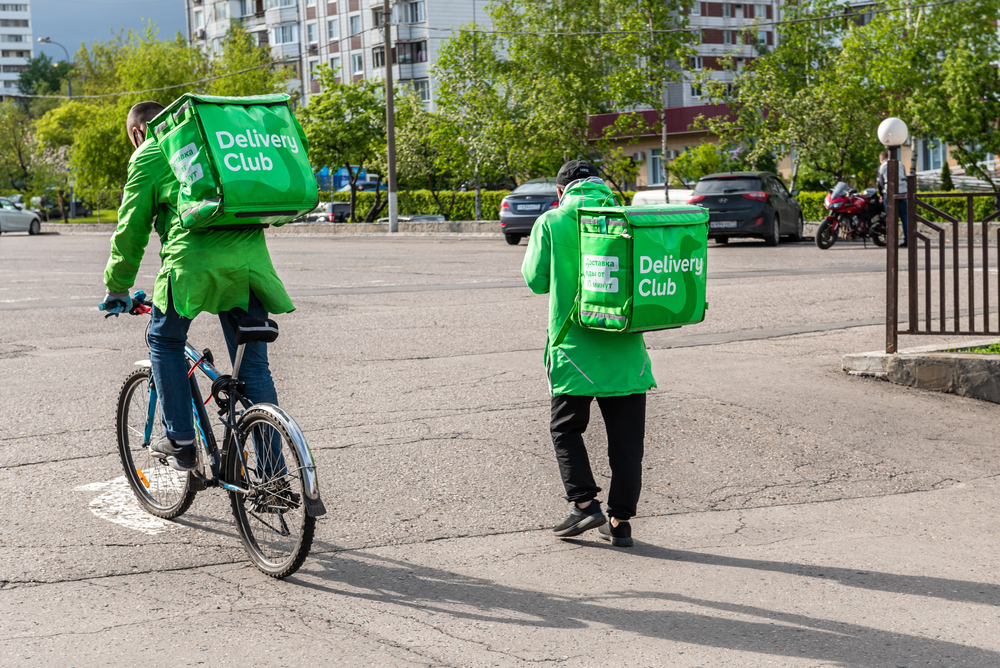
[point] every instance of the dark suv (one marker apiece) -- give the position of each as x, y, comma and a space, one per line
748, 204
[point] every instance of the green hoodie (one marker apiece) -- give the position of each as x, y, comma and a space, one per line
587, 362
210, 270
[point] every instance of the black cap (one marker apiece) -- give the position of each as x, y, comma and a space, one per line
573, 170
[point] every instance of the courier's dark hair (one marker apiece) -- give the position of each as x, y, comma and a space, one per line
141, 114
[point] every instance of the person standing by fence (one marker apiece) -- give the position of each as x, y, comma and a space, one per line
901, 189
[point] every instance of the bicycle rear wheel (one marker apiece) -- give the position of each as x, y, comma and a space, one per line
161, 490
271, 518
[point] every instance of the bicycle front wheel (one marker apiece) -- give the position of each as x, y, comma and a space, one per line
161, 490
271, 517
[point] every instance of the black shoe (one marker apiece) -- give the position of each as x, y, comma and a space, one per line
620, 536
581, 520
177, 457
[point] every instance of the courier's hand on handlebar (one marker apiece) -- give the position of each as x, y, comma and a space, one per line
116, 303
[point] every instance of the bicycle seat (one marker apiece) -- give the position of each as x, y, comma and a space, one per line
250, 329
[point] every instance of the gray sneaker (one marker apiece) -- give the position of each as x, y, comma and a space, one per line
177, 457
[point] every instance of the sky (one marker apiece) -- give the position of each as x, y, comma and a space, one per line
76, 22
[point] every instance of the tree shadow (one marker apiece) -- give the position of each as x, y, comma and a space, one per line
364, 576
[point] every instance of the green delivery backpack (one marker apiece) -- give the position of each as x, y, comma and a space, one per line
242, 161
642, 268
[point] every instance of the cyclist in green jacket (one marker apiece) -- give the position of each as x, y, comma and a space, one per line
202, 271
612, 367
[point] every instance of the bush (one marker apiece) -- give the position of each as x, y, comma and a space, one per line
812, 206
421, 202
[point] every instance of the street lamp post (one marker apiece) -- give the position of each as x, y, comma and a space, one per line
69, 94
892, 132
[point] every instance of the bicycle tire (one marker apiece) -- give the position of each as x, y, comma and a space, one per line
160, 490
276, 494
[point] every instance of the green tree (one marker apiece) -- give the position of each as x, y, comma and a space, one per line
345, 125
42, 76
947, 184
240, 52
423, 143
698, 161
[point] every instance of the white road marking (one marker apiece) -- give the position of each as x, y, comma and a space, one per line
118, 504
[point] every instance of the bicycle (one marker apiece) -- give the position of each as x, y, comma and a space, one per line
264, 464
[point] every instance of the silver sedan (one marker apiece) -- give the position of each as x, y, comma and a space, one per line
14, 218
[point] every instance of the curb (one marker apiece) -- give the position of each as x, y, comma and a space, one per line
933, 368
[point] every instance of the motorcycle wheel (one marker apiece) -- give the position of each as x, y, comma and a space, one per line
877, 235
825, 235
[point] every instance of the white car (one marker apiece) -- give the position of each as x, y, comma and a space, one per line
13, 218
677, 196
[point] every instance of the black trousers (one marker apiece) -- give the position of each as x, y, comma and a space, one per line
625, 419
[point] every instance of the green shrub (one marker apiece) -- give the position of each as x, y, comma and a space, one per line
421, 202
812, 206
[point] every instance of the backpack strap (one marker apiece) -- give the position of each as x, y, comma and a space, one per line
564, 330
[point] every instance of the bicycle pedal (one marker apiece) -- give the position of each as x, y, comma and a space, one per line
197, 481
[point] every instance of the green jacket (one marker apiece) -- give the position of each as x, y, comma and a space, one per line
211, 271
587, 362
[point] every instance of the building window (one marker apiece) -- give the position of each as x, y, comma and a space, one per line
423, 89
13, 23
285, 34
13, 8
760, 11
695, 90
312, 35
696, 9
313, 76
727, 36
694, 63
310, 3
761, 37
357, 63
378, 57
271, 4
655, 167
222, 11
15, 54
354, 25
727, 10
411, 12
199, 22
335, 66
333, 30
411, 52
932, 155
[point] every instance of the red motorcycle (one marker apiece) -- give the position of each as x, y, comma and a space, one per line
853, 215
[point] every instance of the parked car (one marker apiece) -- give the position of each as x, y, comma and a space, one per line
48, 208
16, 218
520, 209
748, 204
327, 212
365, 187
677, 196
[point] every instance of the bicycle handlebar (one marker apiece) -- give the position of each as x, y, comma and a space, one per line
139, 305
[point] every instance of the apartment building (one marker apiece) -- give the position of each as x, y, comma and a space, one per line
722, 32
15, 44
344, 34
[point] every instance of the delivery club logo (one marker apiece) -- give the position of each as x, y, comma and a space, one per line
242, 161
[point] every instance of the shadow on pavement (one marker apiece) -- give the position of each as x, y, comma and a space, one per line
376, 578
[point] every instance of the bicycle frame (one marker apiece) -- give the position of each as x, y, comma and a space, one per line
310, 485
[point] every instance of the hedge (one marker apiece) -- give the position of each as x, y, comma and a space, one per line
812, 206
421, 202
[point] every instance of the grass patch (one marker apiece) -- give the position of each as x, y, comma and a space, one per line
993, 349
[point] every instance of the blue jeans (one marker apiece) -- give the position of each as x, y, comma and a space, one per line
167, 337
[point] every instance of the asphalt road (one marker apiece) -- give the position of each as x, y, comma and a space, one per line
791, 515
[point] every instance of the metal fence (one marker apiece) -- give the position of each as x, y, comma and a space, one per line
943, 296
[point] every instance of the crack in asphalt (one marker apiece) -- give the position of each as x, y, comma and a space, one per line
17, 584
